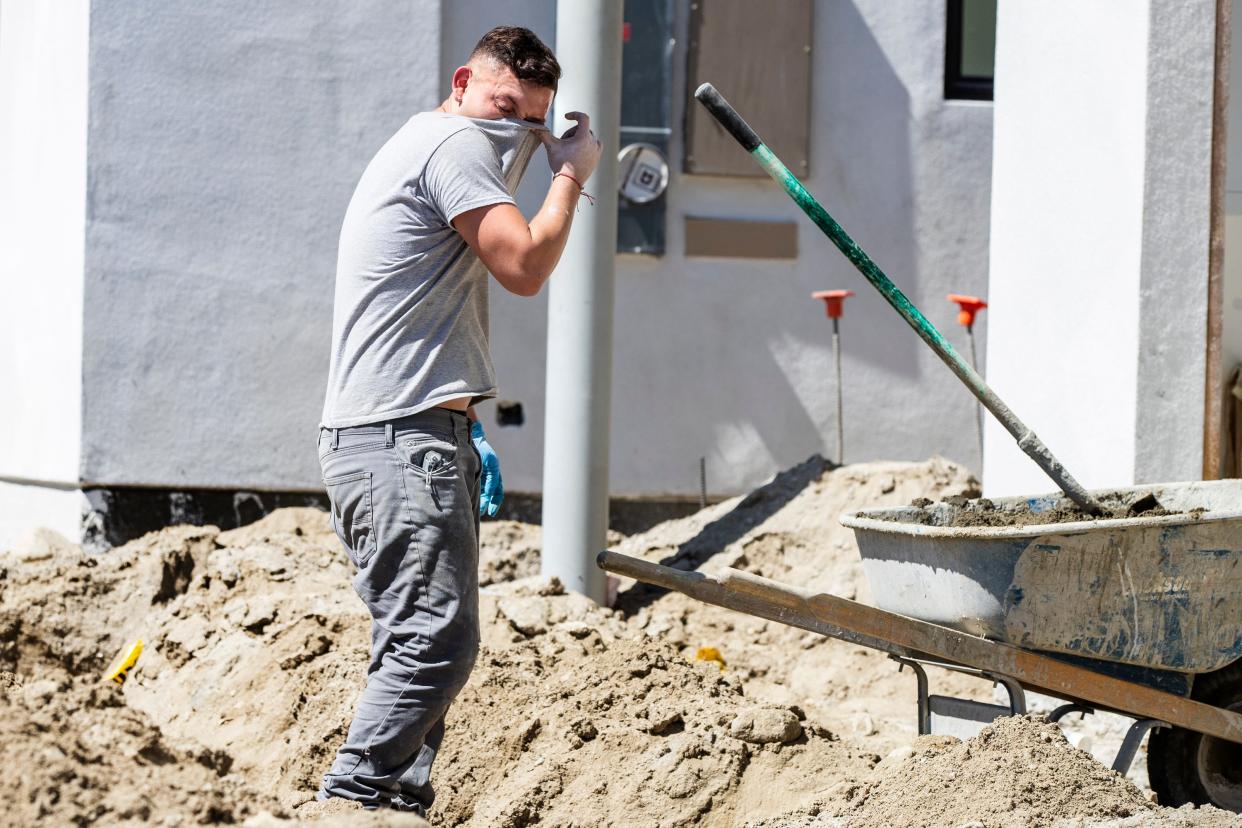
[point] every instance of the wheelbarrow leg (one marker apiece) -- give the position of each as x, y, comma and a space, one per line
1017, 696
1130, 744
1064, 710
920, 675
949, 707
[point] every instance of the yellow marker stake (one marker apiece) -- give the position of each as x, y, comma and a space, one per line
710, 654
126, 659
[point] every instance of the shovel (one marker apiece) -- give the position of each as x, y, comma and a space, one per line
728, 118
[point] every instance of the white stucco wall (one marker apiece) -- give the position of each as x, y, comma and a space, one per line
43, 88
731, 359
225, 141
1067, 222
1172, 363
1099, 238
1231, 333
43, 103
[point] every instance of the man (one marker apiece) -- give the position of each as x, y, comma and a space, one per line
406, 464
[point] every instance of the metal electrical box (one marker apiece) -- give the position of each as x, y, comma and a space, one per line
759, 56
646, 104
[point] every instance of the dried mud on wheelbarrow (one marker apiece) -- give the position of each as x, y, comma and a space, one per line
962, 512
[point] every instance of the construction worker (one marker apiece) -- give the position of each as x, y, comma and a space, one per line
405, 461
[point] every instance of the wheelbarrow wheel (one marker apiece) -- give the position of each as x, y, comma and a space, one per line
1188, 767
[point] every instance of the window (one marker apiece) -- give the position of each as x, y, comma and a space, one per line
970, 49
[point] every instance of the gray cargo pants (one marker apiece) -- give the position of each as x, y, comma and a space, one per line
405, 498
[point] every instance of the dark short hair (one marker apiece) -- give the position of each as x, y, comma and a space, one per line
522, 52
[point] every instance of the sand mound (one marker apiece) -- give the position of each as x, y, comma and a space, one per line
575, 715
1019, 771
787, 530
631, 735
78, 754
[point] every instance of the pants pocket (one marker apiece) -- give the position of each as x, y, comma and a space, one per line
350, 496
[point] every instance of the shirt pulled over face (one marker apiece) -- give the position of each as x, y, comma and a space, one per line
410, 314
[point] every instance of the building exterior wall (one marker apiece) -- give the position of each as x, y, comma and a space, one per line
1172, 361
1231, 305
225, 141
731, 359
43, 100
1100, 238
43, 86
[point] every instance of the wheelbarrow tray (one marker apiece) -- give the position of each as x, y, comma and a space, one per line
1162, 591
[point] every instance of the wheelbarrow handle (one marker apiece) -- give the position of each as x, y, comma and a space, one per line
728, 117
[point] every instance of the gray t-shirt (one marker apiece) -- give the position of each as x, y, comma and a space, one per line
410, 319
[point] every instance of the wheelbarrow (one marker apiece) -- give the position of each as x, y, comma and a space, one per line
1156, 600
1138, 616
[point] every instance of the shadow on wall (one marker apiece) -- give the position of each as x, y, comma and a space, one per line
863, 175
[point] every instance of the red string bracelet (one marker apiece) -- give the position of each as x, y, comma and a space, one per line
581, 190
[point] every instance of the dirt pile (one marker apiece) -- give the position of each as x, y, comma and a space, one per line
787, 530
566, 729
1018, 771
78, 755
576, 715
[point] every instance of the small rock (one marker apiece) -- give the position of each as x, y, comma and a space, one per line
887, 484
584, 729
933, 743
39, 693
551, 587
235, 611
862, 725
577, 629
526, 615
663, 721
259, 613
764, 725
42, 544
895, 757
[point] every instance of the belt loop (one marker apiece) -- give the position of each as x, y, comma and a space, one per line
336, 438
388, 441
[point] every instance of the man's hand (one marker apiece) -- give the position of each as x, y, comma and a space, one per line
577, 151
491, 490
521, 256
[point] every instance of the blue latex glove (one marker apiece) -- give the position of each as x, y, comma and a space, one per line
491, 490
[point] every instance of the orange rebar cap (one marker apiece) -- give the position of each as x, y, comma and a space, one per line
969, 306
834, 301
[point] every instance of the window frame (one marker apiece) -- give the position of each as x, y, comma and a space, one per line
959, 87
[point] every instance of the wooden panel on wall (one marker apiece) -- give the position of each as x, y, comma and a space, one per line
741, 239
758, 55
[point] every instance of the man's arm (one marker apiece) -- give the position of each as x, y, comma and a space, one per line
522, 256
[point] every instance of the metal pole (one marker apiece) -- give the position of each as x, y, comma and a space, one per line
974, 363
702, 482
580, 301
836, 358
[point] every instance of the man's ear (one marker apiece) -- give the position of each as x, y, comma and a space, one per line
460, 79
